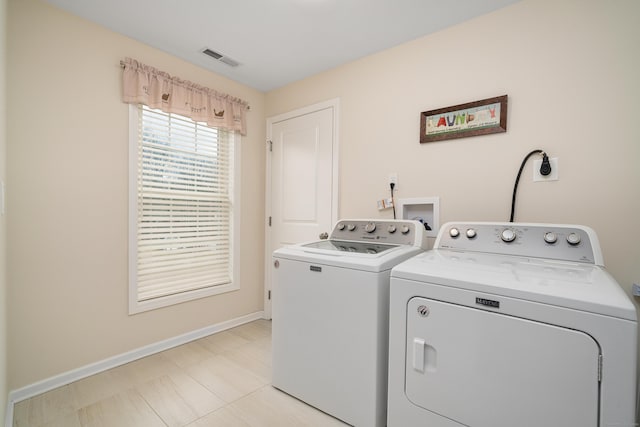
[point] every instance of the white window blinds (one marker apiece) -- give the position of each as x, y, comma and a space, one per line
184, 218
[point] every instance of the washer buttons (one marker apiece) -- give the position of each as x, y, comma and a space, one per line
573, 239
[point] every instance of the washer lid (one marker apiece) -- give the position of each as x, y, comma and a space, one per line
349, 246
315, 253
584, 287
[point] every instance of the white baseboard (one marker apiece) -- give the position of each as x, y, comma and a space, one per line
48, 384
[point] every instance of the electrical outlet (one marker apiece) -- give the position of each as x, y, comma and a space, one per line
635, 290
393, 179
553, 176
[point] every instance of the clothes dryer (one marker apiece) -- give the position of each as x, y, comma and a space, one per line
511, 324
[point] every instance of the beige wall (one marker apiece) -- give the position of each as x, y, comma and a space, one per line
3, 222
67, 184
570, 69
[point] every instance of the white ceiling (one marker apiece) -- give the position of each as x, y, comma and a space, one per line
276, 42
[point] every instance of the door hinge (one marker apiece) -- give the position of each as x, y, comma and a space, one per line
269, 221
269, 296
600, 368
270, 145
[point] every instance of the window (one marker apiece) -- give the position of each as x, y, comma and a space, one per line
183, 219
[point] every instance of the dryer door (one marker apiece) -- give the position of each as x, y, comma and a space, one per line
485, 369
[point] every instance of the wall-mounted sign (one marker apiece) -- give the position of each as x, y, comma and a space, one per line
459, 121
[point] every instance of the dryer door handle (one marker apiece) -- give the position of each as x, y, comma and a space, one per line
418, 354
425, 356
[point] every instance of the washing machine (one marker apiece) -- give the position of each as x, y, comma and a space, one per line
510, 324
330, 304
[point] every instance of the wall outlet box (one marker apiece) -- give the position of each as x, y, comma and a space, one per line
635, 290
553, 176
393, 179
423, 209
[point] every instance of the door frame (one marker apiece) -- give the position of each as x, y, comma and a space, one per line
334, 104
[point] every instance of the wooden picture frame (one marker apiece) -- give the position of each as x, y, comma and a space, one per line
460, 121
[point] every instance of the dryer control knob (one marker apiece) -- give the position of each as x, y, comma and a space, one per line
351, 227
370, 227
341, 226
573, 239
404, 229
391, 229
471, 233
454, 232
550, 237
508, 235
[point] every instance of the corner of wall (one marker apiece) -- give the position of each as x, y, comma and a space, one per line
3, 227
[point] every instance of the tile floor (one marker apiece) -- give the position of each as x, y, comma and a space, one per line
220, 380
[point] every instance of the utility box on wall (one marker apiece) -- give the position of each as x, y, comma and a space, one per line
423, 209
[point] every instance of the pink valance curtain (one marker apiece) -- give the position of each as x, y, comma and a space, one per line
156, 89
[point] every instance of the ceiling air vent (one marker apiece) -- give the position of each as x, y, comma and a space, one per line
220, 57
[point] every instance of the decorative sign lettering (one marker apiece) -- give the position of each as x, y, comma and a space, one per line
459, 121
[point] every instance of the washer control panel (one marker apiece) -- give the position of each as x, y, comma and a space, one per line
553, 241
391, 231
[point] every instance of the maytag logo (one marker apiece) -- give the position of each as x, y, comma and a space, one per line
488, 302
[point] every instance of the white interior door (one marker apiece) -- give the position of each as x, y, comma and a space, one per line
302, 179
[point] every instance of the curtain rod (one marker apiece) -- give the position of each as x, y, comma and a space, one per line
122, 64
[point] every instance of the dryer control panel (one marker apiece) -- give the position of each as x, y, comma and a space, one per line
391, 232
575, 243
